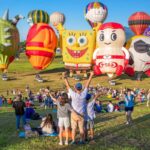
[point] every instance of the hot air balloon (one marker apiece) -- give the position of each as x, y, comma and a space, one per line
56, 18
147, 31
41, 41
138, 22
9, 41
140, 56
95, 12
77, 49
138, 46
110, 57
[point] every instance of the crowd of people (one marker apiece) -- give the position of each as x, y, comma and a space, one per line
76, 108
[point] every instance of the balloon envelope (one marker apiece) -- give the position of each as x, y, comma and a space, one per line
9, 42
95, 12
56, 18
138, 22
40, 45
38, 16
147, 32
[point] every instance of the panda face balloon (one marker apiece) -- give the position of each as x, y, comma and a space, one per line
140, 52
111, 35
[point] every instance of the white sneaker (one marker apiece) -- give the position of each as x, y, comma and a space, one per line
66, 142
127, 123
60, 143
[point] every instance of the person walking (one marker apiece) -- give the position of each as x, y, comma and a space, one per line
129, 106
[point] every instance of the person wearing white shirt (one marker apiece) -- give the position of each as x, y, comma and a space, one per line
110, 107
78, 97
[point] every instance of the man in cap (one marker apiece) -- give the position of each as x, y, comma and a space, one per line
78, 103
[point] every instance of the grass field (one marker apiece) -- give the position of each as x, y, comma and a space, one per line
111, 133
21, 73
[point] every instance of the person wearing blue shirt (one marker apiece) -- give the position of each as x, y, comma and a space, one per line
129, 106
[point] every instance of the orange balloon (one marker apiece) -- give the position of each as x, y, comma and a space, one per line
40, 45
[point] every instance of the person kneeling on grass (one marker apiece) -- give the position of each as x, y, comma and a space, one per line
89, 119
63, 116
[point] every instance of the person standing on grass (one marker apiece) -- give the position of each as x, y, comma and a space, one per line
63, 109
129, 106
19, 107
78, 102
90, 116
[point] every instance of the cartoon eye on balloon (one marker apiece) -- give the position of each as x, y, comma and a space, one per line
95, 12
101, 37
113, 36
82, 40
71, 40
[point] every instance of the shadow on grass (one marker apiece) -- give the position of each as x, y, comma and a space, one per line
55, 70
112, 137
119, 137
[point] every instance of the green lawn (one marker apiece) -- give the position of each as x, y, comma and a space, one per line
110, 132
21, 73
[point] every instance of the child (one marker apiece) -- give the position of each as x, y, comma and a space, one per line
48, 125
63, 116
90, 116
29, 132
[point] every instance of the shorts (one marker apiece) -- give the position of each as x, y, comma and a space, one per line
90, 124
128, 109
77, 121
64, 122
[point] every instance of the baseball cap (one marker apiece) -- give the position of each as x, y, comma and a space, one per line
78, 86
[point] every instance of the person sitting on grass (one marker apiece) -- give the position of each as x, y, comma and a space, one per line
89, 119
110, 107
63, 109
98, 106
116, 107
47, 125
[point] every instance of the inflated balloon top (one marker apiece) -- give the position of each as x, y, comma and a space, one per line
138, 22
147, 32
95, 12
56, 18
38, 16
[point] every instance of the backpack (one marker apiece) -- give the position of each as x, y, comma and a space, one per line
35, 116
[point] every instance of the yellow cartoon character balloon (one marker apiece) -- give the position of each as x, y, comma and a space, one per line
78, 48
77, 45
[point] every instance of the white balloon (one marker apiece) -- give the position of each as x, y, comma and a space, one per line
56, 18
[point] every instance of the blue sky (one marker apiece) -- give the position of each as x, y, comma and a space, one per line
118, 11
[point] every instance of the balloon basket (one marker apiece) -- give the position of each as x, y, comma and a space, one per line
39, 78
112, 82
4, 77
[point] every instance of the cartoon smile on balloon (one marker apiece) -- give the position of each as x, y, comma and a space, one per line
77, 50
